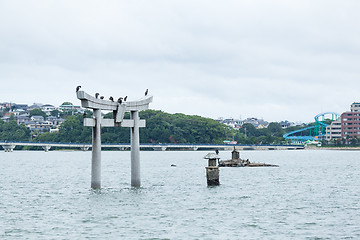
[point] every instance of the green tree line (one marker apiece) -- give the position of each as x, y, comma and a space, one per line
248, 134
11, 131
160, 127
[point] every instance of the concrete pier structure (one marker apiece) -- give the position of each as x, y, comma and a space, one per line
8, 147
84, 148
46, 148
155, 146
160, 148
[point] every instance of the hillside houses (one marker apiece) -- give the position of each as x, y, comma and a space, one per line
35, 122
257, 123
236, 123
47, 122
231, 122
47, 108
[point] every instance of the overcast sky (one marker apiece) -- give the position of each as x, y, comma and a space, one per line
275, 60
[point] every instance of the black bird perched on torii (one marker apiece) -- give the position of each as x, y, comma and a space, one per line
120, 100
78, 88
111, 98
146, 92
97, 95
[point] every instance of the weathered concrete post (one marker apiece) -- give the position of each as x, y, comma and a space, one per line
96, 151
212, 171
135, 150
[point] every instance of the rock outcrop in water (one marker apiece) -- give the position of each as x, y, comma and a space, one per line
236, 161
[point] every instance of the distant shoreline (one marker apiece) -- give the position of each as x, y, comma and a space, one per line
341, 148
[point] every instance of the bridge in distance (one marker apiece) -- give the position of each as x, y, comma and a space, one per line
9, 146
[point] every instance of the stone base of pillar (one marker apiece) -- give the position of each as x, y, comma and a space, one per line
212, 176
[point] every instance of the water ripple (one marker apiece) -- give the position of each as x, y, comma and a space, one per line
312, 195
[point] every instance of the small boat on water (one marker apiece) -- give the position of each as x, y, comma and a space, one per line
236, 161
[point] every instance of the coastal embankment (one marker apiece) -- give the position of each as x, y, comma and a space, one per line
341, 148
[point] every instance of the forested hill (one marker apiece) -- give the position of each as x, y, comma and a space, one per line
160, 127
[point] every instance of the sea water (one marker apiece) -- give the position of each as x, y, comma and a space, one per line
313, 194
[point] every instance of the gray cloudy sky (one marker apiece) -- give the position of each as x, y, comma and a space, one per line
275, 60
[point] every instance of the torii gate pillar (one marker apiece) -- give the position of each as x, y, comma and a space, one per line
96, 151
135, 150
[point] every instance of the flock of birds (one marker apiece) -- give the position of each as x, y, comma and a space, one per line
120, 100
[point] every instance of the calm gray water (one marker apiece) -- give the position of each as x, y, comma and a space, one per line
312, 195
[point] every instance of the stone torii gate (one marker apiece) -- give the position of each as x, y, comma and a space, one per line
134, 123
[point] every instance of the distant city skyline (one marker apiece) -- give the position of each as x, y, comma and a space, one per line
273, 60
